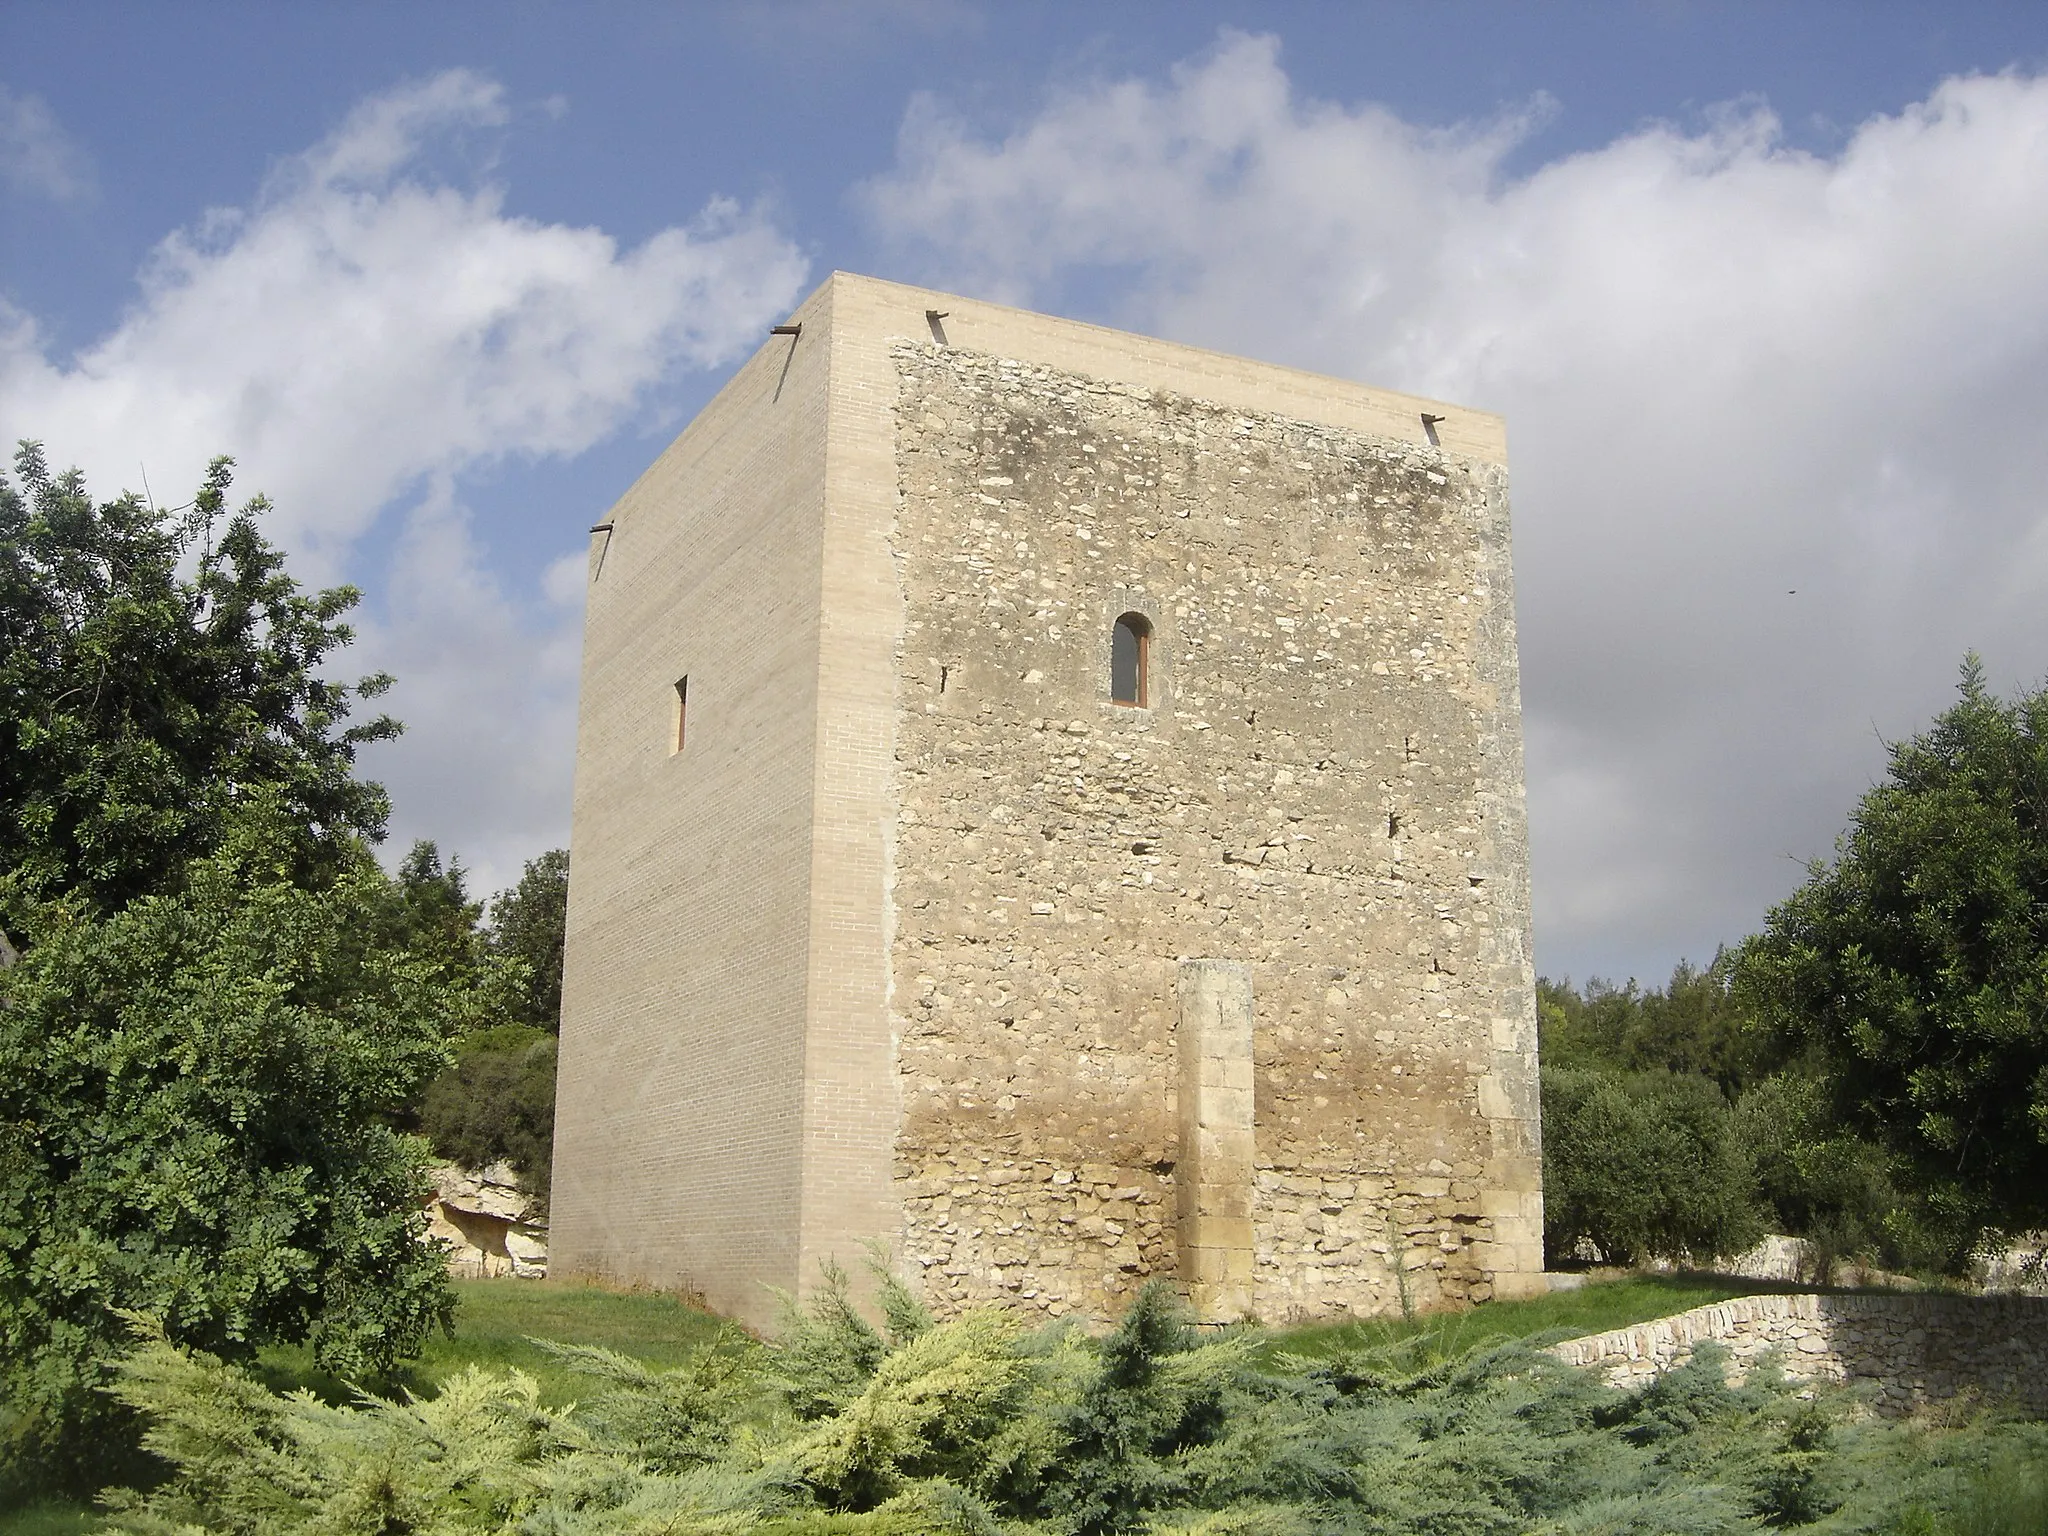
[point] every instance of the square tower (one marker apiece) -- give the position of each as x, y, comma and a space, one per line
1050, 801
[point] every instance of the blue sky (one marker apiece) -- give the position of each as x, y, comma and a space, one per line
1757, 287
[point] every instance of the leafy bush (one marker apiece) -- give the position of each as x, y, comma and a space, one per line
1822, 1182
497, 1102
1648, 1165
970, 1425
192, 1093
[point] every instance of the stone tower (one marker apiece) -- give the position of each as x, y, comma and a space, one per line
1051, 801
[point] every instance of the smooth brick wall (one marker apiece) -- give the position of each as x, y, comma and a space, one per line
679, 1120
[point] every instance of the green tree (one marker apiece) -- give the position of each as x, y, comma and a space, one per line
1694, 1023
432, 914
215, 1008
1820, 1181
528, 924
140, 705
497, 1102
195, 1095
1912, 971
1644, 1165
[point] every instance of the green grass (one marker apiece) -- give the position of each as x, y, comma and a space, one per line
2006, 1499
1594, 1308
497, 1321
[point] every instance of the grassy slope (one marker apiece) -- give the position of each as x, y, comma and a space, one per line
48, 1520
498, 1320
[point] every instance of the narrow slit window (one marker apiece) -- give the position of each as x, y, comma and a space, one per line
1130, 656
682, 714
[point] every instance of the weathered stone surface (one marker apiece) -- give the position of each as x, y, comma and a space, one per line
1910, 1350
1315, 792
891, 948
491, 1226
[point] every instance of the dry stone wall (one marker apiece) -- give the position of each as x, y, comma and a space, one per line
1910, 1350
1325, 786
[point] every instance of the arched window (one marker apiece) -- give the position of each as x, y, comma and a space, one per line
1130, 656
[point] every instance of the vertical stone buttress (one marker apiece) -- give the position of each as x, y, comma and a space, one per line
1213, 1174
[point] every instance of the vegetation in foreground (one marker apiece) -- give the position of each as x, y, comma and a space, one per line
977, 1426
221, 1022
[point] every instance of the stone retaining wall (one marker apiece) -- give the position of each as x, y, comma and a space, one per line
1916, 1350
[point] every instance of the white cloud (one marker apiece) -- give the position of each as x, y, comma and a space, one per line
357, 328
487, 688
361, 335
1730, 369
36, 154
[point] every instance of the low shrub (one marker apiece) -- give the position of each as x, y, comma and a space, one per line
1644, 1165
972, 1425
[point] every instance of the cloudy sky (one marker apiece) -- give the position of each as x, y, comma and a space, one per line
1762, 291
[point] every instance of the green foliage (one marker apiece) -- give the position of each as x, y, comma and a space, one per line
221, 1003
1827, 1185
928, 1411
972, 1426
527, 924
432, 915
1151, 1394
1648, 1165
252, 1462
1812, 1176
828, 1352
674, 1419
50, 1518
2005, 1494
140, 705
497, 1103
1695, 1024
1913, 970
192, 1102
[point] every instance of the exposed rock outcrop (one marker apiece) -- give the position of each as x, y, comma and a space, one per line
492, 1226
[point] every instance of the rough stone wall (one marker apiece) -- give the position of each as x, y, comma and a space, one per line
1325, 787
1911, 1350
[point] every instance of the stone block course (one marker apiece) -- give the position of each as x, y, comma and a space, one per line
995, 874
1909, 1351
